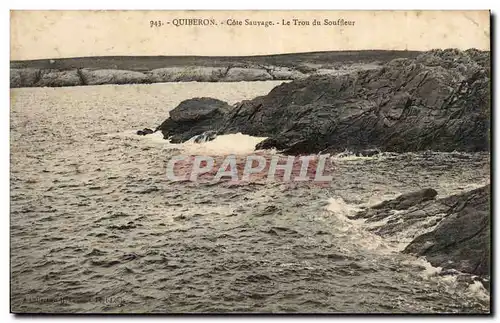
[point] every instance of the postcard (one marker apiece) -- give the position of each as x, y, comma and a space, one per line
327, 162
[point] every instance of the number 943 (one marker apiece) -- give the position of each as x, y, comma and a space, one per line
155, 23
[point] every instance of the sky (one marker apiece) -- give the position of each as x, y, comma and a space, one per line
59, 34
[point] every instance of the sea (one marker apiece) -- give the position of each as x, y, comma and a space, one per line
97, 227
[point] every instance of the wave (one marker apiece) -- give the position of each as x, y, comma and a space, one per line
238, 144
453, 281
354, 230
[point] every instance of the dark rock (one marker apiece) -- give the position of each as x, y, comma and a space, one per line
196, 109
432, 102
271, 209
193, 117
145, 131
402, 202
457, 237
272, 143
437, 101
462, 239
204, 137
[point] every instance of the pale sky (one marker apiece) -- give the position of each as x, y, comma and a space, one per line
57, 34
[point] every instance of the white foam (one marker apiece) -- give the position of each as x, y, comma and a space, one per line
238, 143
449, 281
355, 229
379, 198
338, 206
156, 137
350, 156
428, 270
223, 145
477, 290
452, 188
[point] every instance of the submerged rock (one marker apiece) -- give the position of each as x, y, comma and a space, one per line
145, 131
404, 201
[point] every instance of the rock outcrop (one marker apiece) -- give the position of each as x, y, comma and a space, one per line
255, 74
461, 240
153, 69
438, 101
33, 77
451, 232
403, 202
205, 137
187, 74
50, 78
286, 73
24, 77
98, 77
193, 117
28, 77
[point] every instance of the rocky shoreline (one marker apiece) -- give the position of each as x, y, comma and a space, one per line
438, 101
459, 235
32, 77
145, 70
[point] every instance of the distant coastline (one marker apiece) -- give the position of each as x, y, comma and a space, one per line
80, 71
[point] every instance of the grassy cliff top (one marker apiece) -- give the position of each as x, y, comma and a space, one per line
146, 63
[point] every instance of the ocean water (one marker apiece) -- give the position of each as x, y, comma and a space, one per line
97, 227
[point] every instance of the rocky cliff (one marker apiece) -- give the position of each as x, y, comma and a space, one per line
439, 100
